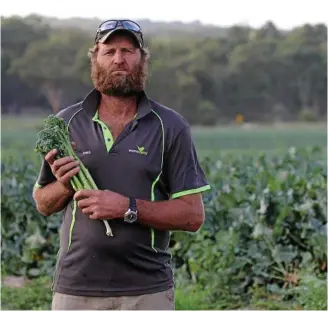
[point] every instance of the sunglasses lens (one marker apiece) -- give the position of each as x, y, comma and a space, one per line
131, 26
108, 26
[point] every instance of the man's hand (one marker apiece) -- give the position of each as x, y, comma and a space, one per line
53, 197
64, 168
102, 204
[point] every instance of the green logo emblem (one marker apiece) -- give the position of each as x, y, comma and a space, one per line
142, 150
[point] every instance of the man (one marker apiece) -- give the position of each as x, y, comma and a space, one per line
143, 160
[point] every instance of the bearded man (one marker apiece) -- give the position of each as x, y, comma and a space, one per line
143, 160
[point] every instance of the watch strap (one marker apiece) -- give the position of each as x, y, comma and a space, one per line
133, 204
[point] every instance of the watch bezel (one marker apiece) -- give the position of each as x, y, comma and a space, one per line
130, 213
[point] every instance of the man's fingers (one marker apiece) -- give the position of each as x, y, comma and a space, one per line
50, 156
84, 203
87, 210
94, 216
62, 161
85, 193
67, 177
92, 212
63, 169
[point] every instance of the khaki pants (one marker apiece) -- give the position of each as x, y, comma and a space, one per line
158, 301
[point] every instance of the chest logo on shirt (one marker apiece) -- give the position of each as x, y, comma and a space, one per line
141, 150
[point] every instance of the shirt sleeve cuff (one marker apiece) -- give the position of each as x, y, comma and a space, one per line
37, 185
190, 191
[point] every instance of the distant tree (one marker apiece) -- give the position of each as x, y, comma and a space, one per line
207, 73
50, 65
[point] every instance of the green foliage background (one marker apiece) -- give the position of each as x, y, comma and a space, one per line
263, 243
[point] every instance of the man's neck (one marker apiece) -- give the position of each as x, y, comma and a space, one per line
118, 107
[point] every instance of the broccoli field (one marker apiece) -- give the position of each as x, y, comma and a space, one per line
263, 244
19, 134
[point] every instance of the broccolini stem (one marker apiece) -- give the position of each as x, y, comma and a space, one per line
109, 231
78, 184
88, 177
85, 177
87, 181
73, 183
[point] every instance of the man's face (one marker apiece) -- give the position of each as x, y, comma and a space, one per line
118, 68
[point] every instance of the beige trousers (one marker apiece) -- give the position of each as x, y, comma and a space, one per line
158, 301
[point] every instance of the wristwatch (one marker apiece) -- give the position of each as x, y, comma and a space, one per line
132, 214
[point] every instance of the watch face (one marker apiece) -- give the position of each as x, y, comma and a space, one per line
130, 216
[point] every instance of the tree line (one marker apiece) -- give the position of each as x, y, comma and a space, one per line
255, 75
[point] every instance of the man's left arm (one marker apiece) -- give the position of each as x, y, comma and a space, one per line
186, 179
185, 213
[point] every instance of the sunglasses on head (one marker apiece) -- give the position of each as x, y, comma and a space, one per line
113, 24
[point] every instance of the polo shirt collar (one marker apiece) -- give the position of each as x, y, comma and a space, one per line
91, 102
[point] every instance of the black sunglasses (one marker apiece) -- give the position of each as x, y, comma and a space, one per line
113, 24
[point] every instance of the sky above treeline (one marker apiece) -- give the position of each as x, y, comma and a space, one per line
284, 14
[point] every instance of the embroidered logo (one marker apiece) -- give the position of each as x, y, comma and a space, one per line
141, 150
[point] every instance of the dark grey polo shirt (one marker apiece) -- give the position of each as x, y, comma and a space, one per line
153, 159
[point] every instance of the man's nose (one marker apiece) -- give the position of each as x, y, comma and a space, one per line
118, 57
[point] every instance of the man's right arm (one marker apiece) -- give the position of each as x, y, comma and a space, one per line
52, 198
53, 195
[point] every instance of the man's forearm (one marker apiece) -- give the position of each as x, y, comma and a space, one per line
179, 214
52, 198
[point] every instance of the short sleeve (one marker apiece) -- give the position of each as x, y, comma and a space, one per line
184, 173
45, 175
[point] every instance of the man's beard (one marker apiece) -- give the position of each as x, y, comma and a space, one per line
119, 85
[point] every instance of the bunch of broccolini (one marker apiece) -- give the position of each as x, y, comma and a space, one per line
55, 135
